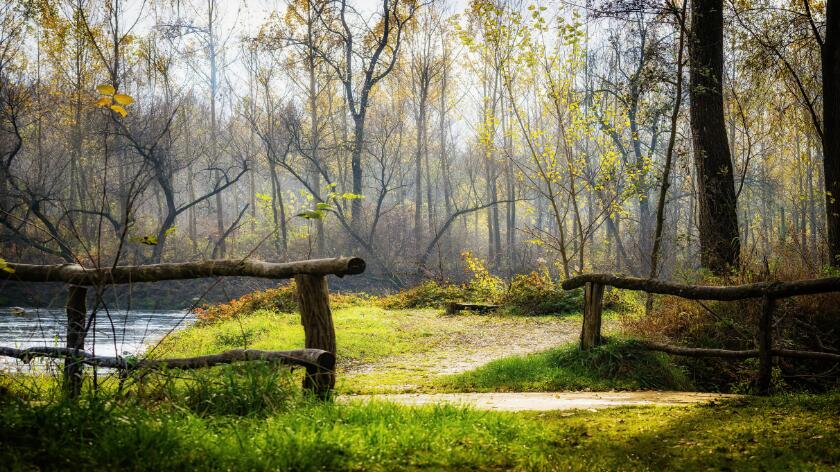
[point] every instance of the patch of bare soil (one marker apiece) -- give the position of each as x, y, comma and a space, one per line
546, 401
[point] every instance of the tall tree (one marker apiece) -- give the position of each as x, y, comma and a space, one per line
830, 45
424, 68
368, 55
720, 246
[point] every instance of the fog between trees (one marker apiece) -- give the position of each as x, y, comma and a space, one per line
535, 135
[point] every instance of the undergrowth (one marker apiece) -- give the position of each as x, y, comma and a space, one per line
804, 323
536, 293
282, 298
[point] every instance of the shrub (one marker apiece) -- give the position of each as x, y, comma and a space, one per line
626, 302
537, 294
429, 294
806, 323
530, 294
483, 285
282, 298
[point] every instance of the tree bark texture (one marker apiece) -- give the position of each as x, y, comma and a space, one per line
78, 275
831, 127
76, 318
314, 358
718, 219
708, 292
319, 332
590, 335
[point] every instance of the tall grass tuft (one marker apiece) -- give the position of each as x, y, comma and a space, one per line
245, 389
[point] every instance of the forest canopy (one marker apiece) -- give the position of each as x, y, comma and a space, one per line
650, 138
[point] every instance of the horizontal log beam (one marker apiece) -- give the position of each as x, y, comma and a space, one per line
697, 352
707, 292
78, 275
750, 353
813, 355
310, 358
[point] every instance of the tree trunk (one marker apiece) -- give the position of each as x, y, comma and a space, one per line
418, 170
831, 127
76, 318
277, 211
653, 269
590, 336
812, 208
356, 166
719, 243
314, 132
319, 332
765, 345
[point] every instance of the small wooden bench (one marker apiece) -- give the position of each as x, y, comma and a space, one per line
454, 307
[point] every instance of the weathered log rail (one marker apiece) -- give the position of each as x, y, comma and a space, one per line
768, 292
77, 275
315, 359
318, 357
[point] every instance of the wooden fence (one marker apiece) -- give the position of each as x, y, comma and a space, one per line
310, 276
768, 292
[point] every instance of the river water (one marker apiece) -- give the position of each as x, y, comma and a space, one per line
127, 332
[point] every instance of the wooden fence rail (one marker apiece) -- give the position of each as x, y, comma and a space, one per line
768, 292
313, 298
77, 275
313, 359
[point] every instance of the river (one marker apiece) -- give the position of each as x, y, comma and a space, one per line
127, 332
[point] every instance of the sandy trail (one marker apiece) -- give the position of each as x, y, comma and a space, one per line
547, 401
470, 342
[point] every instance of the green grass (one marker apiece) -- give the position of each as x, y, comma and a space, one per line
780, 433
254, 416
616, 365
379, 350
362, 334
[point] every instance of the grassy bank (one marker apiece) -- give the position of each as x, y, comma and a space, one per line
255, 417
382, 350
363, 334
616, 365
781, 433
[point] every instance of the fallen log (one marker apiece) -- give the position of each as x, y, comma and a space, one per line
77, 275
454, 307
309, 358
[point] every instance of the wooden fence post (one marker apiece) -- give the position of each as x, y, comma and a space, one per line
765, 344
319, 332
76, 318
590, 335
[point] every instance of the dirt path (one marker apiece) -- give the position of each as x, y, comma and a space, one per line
547, 401
460, 344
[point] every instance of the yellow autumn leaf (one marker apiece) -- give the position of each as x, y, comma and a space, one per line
103, 102
119, 110
106, 89
123, 99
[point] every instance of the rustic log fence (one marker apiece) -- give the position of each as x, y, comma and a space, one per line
768, 292
317, 357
